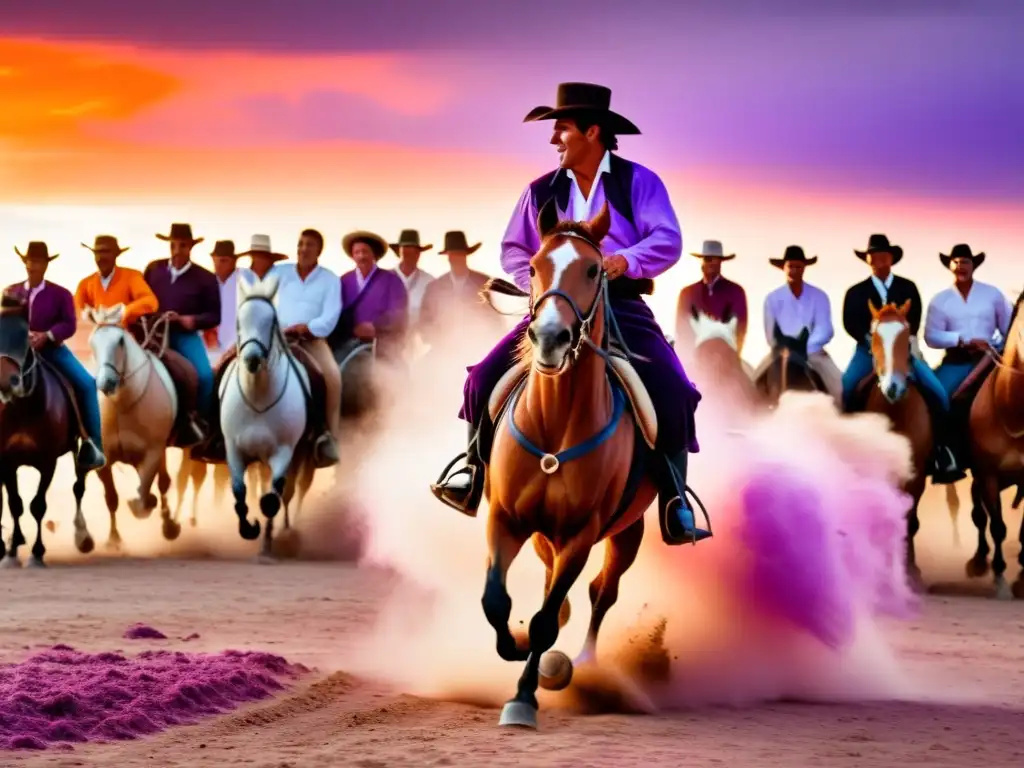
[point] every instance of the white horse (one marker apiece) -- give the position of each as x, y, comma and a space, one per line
263, 407
138, 407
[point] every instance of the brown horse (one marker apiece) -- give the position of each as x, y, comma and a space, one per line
898, 397
996, 439
38, 425
583, 491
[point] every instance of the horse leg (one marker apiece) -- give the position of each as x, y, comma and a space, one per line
619, 555
569, 564
270, 503
38, 509
181, 481
287, 541
997, 527
142, 506
504, 546
913, 526
198, 474
953, 503
978, 565
17, 506
106, 476
248, 531
163, 483
221, 482
3, 544
546, 552
1018, 585
307, 471
83, 540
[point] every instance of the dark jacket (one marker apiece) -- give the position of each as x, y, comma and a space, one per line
857, 317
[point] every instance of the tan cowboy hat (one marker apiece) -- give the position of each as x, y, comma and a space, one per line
962, 251
106, 243
587, 99
410, 237
181, 231
455, 241
259, 245
36, 250
377, 244
712, 249
794, 253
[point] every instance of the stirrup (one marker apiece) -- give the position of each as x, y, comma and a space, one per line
440, 488
693, 535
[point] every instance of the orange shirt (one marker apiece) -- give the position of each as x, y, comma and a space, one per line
127, 286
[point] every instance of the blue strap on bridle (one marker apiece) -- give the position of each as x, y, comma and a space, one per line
549, 463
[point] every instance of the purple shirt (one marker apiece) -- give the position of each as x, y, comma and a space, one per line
51, 311
651, 247
382, 302
196, 292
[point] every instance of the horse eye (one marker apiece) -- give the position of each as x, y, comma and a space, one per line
592, 271
533, 272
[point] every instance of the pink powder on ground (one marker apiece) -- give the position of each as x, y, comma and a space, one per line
62, 696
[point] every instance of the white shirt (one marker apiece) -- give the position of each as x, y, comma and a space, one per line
105, 281
812, 310
415, 286
362, 281
883, 288
951, 318
581, 205
315, 301
227, 331
176, 273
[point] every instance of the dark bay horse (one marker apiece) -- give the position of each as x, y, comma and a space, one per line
898, 397
788, 369
37, 426
567, 466
996, 440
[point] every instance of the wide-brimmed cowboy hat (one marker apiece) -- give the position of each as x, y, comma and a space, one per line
409, 237
712, 249
377, 244
962, 251
877, 243
455, 242
106, 243
259, 245
225, 248
36, 250
584, 98
180, 231
794, 253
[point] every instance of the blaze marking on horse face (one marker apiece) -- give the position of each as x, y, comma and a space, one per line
560, 257
706, 328
888, 332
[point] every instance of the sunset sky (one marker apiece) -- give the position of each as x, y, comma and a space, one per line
771, 122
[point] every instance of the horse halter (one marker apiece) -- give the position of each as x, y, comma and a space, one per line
122, 377
275, 331
26, 366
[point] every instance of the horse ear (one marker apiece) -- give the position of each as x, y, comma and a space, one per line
115, 314
600, 224
777, 334
905, 307
89, 316
547, 219
805, 334
694, 312
242, 289
733, 325
874, 312
270, 285
727, 313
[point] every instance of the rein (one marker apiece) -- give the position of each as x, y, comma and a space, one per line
28, 373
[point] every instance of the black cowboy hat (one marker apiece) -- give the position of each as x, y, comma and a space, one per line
106, 243
456, 241
36, 250
377, 244
588, 99
962, 251
794, 253
877, 243
225, 248
181, 231
410, 237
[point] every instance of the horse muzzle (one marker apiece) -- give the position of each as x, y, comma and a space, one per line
253, 361
107, 385
551, 345
894, 388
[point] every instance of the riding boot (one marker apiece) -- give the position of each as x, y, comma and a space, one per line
463, 489
678, 521
325, 450
90, 457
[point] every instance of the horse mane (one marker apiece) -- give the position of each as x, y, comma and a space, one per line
890, 311
1016, 308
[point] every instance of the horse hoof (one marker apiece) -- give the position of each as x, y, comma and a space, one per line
1018, 588
139, 509
518, 715
1003, 591
264, 559
86, 545
10, 563
248, 531
35, 562
976, 568
171, 529
287, 544
113, 544
555, 671
193, 522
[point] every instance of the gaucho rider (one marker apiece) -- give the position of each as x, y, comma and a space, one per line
644, 242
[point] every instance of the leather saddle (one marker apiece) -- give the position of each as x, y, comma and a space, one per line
153, 338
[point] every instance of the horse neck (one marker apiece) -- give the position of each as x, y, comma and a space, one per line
1008, 397
575, 404
136, 377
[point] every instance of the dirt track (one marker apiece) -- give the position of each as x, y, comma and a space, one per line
313, 613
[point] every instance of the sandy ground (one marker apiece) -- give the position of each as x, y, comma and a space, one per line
314, 613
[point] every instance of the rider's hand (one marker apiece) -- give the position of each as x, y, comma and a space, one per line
37, 339
188, 322
365, 331
172, 316
301, 329
979, 345
615, 266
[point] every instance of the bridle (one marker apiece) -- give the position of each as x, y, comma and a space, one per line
26, 365
267, 350
123, 378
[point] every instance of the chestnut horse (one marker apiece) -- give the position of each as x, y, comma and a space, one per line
899, 398
38, 425
996, 439
587, 488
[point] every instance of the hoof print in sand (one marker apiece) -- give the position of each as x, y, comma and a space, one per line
61, 696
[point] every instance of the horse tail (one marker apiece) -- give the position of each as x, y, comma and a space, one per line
953, 502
